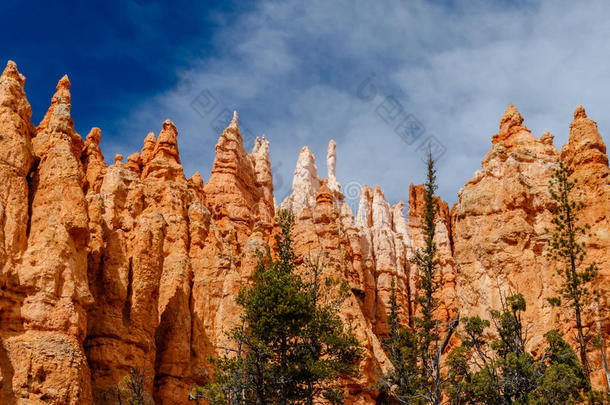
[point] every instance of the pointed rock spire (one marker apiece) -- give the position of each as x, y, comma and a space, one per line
15, 125
167, 143
58, 119
148, 149
305, 184
94, 165
512, 117
380, 209
585, 144
262, 168
399, 221
164, 159
11, 72
196, 182
233, 191
64, 83
195, 186
234, 121
510, 123
331, 165
230, 152
231, 133
59, 214
363, 217
230, 141
262, 163
16, 152
61, 98
579, 112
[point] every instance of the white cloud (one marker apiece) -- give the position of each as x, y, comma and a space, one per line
292, 69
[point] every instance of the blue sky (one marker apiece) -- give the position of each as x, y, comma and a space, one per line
380, 78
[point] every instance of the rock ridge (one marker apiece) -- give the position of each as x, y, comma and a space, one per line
104, 267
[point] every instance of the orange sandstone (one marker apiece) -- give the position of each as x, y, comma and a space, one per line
107, 267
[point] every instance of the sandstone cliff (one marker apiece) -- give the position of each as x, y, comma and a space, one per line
103, 268
502, 223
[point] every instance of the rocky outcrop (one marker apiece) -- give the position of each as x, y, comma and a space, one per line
380, 241
235, 221
104, 268
331, 164
93, 162
16, 159
386, 249
45, 293
125, 265
305, 184
500, 226
502, 221
173, 256
319, 238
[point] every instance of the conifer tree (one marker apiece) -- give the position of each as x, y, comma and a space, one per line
291, 345
402, 383
564, 246
501, 370
328, 347
422, 346
430, 346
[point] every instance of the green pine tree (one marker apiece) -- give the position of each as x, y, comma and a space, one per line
419, 349
402, 383
563, 378
292, 344
328, 347
500, 370
564, 247
427, 329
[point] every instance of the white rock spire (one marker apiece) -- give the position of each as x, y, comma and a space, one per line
331, 165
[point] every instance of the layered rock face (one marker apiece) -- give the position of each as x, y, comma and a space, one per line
44, 237
173, 256
368, 251
104, 268
502, 224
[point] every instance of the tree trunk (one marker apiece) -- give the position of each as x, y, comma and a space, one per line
582, 343
283, 376
604, 359
575, 292
310, 394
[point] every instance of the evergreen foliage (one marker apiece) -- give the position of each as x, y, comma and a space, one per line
291, 345
564, 246
416, 352
402, 383
499, 370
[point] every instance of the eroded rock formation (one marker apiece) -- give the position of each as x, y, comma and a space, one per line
44, 268
108, 267
502, 223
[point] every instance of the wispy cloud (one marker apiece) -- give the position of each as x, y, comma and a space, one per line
292, 70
